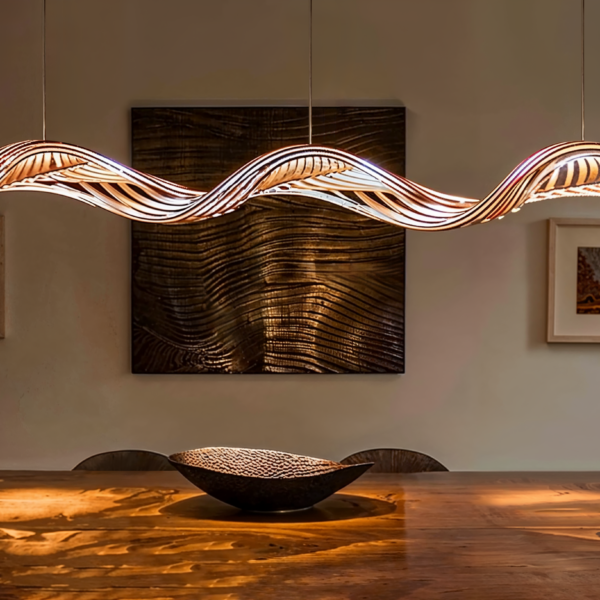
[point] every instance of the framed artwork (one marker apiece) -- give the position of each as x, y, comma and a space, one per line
2, 288
285, 284
574, 280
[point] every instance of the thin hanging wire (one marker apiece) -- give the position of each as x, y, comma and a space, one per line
310, 44
44, 71
582, 70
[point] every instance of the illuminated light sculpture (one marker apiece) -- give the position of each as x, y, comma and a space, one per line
566, 169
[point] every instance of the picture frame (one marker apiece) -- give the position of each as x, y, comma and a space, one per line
284, 284
574, 281
2, 294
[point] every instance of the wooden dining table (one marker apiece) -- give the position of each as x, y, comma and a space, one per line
84, 535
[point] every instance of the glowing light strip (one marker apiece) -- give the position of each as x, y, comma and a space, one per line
567, 169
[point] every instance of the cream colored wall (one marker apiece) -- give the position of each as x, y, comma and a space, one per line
484, 83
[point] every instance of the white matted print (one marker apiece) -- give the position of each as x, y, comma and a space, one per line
574, 280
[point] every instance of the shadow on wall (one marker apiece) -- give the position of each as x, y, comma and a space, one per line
536, 257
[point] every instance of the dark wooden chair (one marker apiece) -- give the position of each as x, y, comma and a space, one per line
395, 460
126, 460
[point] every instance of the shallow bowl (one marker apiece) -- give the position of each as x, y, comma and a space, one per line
264, 480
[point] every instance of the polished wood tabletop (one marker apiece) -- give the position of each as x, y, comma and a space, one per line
487, 536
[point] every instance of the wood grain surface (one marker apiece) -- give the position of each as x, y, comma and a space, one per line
282, 285
472, 536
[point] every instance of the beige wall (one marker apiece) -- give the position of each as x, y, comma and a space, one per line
485, 83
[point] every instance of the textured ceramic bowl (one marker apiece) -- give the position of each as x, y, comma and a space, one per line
264, 480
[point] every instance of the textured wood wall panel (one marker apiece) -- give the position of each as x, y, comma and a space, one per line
283, 285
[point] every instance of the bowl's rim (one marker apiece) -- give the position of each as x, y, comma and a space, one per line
335, 466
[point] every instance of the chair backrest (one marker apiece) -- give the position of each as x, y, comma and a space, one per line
126, 460
395, 460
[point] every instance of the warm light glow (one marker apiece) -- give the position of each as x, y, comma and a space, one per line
545, 499
567, 169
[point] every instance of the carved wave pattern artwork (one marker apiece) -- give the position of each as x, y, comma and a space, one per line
284, 284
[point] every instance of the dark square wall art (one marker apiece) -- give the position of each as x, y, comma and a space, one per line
282, 285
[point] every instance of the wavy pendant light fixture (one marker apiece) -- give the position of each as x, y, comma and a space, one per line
561, 170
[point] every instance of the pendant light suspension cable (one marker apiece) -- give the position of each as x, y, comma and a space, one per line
44, 70
582, 70
310, 43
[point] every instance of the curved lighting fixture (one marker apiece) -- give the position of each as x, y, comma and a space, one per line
567, 169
